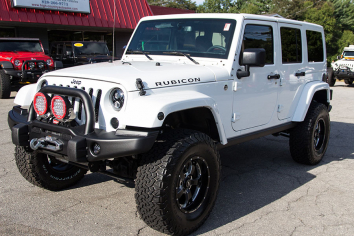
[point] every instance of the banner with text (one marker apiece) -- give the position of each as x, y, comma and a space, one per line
81, 6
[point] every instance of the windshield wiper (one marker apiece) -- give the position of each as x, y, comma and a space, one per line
182, 54
140, 52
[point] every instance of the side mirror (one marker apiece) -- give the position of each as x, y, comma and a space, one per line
58, 65
251, 57
69, 53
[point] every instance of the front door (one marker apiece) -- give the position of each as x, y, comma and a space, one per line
255, 99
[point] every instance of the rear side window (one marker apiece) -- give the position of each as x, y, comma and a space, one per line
314, 46
259, 36
291, 49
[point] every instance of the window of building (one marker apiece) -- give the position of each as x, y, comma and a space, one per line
291, 49
7, 32
259, 36
314, 46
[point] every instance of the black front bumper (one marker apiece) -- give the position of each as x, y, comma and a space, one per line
27, 75
344, 74
78, 142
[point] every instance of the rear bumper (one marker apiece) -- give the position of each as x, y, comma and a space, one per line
76, 146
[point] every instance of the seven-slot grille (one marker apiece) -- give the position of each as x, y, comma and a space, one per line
77, 103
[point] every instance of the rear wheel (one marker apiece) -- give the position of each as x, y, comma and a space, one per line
348, 81
5, 85
331, 80
45, 171
177, 182
309, 140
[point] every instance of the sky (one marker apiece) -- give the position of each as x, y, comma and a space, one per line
199, 1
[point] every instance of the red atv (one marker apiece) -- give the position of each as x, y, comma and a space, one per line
22, 60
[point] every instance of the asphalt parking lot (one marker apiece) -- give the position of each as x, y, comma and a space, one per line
263, 191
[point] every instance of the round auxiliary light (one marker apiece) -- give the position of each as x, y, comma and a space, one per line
40, 103
31, 65
117, 98
40, 65
58, 107
96, 149
17, 62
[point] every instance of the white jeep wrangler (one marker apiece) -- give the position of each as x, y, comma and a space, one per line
343, 69
187, 85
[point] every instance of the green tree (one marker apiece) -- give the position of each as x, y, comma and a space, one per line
181, 4
344, 13
218, 6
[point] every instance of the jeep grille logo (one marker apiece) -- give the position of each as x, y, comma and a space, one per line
78, 82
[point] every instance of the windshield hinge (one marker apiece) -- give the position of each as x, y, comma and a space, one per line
140, 86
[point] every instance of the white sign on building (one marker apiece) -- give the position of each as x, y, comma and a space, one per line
81, 6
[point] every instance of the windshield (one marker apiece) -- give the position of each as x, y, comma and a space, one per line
348, 53
20, 46
198, 37
91, 48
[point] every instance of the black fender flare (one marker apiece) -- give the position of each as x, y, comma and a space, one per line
6, 65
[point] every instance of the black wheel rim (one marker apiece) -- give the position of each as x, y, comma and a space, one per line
58, 165
319, 135
192, 184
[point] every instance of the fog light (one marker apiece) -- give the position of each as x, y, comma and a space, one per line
114, 123
31, 65
96, 149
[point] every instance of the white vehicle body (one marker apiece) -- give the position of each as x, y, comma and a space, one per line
186, 86
235, 111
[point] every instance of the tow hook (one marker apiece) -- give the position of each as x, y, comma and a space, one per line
48, 142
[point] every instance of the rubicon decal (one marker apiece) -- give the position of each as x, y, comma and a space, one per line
179, 81
78, 82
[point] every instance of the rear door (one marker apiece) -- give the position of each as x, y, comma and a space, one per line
293, 68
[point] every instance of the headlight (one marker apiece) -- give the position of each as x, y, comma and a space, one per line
31, 65
17, 62
49, 62
40, 65
117, 98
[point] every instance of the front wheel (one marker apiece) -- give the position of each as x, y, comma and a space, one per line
5, 85
348, 81
177, 182
309, 140
45, 171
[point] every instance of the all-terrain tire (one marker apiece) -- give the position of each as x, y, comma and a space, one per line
331, 80
348, 81
309, 139
5, 85
40, 170
166, 182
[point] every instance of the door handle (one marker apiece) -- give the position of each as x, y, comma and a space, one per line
300, 74
275, 76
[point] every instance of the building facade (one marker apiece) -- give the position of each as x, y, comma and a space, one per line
64, 20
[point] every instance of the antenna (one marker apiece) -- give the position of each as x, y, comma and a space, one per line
114, 26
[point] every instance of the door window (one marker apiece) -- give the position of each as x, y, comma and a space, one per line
314, 46
259, 36
291, 49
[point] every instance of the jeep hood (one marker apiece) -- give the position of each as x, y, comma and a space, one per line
153, 75
23, 56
